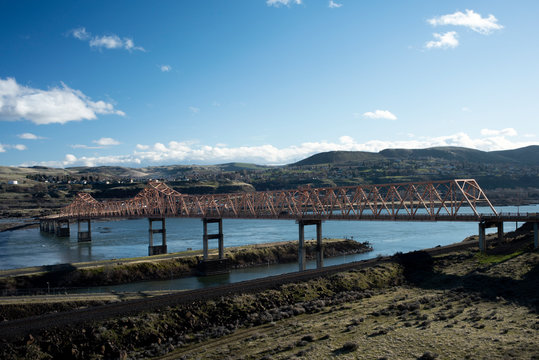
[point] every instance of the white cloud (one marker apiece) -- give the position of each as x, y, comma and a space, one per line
194, 110
82, 146
278, 3
466, 109
191, 152
106, 141
502, 132
69, 159
334, 5
80, 33
4, 147
380, 114
111, 41
443, 41
346, 139
470, 19
165, 68
55, 105
29, 136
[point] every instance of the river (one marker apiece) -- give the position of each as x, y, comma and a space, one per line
129, 238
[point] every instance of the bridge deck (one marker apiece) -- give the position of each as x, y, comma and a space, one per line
451, 200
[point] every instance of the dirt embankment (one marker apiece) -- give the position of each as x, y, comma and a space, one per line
454, 305
122, 272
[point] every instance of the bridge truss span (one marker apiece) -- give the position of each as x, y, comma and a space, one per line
437, 200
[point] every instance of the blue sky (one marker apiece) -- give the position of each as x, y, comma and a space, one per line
138, 83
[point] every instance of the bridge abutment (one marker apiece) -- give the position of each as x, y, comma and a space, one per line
83, 236
301, 245
157, 249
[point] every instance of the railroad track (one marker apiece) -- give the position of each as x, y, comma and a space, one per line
35, 324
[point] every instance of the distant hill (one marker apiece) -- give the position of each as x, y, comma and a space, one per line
523, 156
339, 157
236, 166
528, 155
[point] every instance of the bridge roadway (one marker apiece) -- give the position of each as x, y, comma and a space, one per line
452, 200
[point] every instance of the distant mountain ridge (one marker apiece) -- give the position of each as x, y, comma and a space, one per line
528, 156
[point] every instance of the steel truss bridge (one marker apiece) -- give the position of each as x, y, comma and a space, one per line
452, 200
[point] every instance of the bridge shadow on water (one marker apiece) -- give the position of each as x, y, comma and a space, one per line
419, 271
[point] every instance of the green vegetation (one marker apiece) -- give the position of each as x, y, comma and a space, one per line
497, 258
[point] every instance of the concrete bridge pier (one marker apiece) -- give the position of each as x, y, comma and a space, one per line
83, 236
319, 246
486, 225
46, 226
219, 236
62, 228
157, 249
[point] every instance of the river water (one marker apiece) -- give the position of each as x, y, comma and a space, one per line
129, 238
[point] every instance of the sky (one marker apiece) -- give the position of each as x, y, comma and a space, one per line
138, 83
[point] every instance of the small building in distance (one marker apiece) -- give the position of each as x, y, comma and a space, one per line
13, 182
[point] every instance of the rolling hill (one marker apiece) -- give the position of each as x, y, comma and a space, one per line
527, 156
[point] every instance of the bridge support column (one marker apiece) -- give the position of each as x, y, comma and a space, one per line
482, 241
157, 249
486, 225
83, 236
535, 236
301, 245
219, 236
500, 231
62, 228
49, 226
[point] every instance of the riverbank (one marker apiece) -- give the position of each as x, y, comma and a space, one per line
450, 302
167, 266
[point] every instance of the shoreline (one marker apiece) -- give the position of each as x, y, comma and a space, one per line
165, 266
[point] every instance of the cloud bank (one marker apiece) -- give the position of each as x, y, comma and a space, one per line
192, 152
56, 105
